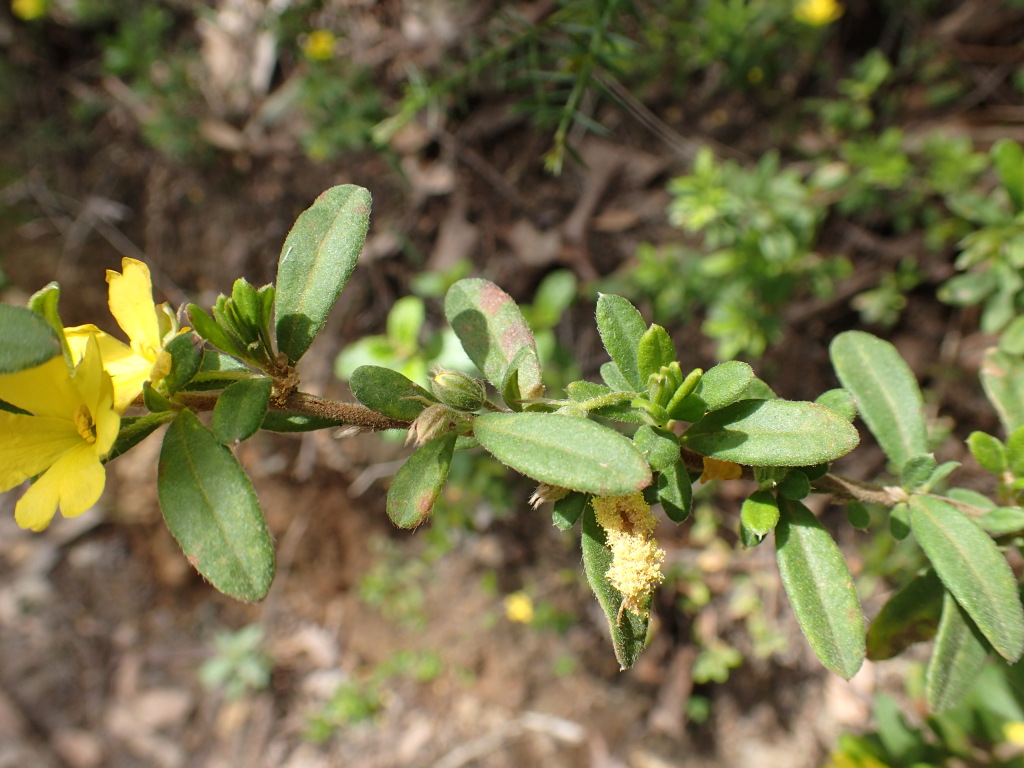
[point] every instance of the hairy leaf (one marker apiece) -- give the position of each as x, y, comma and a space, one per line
1002, 377
973, 569
240, 409
389, 392
621, 327
957, 658
820, 589
888, 397
211, 509
27, 339
567, 451
724, 384
909, 616
772, 433
419, 481
316, 262
494, 334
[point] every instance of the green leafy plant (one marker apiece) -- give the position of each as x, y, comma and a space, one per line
239, 665
603, 452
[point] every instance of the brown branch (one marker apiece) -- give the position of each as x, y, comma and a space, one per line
344, 414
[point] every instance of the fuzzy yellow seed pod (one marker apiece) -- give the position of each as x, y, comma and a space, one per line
636, 559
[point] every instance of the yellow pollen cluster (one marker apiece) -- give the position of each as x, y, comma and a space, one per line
636, 559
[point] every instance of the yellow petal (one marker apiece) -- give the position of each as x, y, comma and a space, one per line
45, 390
131, 303
127, 369
74, 484
32, 444
97, 392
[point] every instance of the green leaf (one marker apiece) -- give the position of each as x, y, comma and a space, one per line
1002, 521
654, 350
218, 370
27, 339
405, 319
957, 658
795, 485
494, 334
841, 401
186, 351
567, 451
988, 451
135, 429
973, 569
1008, 158
240, 410
675, 492
887, 394
208, 328
389, 392
247, 308
284, 421
909, 616
858, 516
419, 481
659, 446
899, 521
568, 510
211, 509
760, 513
1002, 378
1015, 451
44, 302
621, 327
628, 630
724, 384
316, 262
772, 433
820, 589
612, 376
917, 471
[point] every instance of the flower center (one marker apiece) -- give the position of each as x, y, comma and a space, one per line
84, 424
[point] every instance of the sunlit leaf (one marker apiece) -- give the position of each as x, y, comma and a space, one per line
772, 433
419, 481
973, 569
566, 451
316, 262
820, 589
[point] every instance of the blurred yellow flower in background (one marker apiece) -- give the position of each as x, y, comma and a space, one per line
69, 426
28, 10
817, 13
319, 45
519, 607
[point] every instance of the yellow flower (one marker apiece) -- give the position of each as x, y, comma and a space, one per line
1014, 733
69, 426
817, 13
28, 10
131, 303
636, 559
319, 45
519, 607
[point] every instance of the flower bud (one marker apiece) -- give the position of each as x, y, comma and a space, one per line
458, 390
434, 420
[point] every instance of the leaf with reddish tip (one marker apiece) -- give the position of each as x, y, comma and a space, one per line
494, 334
418, 483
